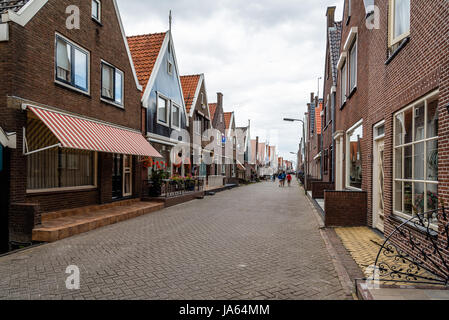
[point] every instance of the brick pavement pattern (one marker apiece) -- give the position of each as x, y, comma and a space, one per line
253, 242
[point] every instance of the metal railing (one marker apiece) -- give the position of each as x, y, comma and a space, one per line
173, 188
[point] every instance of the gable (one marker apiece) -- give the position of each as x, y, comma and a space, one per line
191, 87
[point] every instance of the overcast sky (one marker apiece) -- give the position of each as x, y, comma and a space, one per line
265, 56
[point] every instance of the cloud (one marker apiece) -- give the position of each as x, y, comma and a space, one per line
265, 56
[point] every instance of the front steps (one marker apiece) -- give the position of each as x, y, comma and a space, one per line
67, 223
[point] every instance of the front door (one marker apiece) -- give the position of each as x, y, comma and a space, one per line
117, 176
379, 182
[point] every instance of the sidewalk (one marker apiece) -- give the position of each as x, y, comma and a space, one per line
355, 249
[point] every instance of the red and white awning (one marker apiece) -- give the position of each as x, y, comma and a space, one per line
74, 132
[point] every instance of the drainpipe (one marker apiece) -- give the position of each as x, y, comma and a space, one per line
334, 145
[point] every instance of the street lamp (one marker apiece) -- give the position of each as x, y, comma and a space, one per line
305, 149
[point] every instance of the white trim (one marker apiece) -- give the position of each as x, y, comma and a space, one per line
161, 139
355, 45
113, 102
8, 140
125, 40
351, 36
82, 188
231, 125
167, 110
377, 126
25, 14
391, 20
175, 105
195, 97
318, 156
348, 155
342, 59
4, 32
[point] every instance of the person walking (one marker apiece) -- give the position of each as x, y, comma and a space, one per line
289, 179
282, 177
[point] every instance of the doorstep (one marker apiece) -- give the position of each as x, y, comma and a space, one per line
385, 292
67, 223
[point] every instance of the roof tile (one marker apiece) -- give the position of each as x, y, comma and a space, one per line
189, 86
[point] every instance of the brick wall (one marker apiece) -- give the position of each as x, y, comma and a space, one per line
318, 189
23, 218
345, 208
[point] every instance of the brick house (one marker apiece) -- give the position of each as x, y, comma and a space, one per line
313, 144
244, 168
391, 115
218, 169
333, 39
162, 99
64, 92
197, 107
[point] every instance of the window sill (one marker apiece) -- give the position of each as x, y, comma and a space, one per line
162, 124
348, 20
112, 103
70, 87
396, 52
60, 190
97, 21
353, 91
398, 218
343, 105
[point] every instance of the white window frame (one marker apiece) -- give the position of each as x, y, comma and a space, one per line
391, 23
219, 138
167, 110
169, 67
425, 182
223, 169
172, 108
80, 48
344, 82
98, 2
113, 100
348, 155
197, 125
354, 46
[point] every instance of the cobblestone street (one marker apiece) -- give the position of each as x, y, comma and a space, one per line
253, 242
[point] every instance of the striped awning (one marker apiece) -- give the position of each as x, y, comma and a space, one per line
75, 132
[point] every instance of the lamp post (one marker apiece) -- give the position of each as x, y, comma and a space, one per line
305, 149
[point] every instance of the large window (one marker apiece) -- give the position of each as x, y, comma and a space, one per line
72, 64
55, 168
354, 167
343, 84
416, 158
399, 20
111, 83
353, 66
163, 106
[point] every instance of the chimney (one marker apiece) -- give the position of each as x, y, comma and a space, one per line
312, 97
220, 100
330, 14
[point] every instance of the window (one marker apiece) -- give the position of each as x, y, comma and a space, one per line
218, 138
343, 84
415, 156
176, 116
325, 161
169, 68
354, 162
111, 83
399, 20
223, 169
353, 67
96, 10
203, 105
71, 64
162, 110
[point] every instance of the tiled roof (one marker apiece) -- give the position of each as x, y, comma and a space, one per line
14, 5
144, 51
212, 109
227, 118
334, 47
318, 117
189, 86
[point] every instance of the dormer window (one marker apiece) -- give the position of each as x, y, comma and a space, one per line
96, 10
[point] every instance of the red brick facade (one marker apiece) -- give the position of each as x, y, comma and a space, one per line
27, 71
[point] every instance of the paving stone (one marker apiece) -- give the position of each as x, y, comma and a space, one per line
254, 242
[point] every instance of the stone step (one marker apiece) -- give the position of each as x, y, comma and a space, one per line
67, 224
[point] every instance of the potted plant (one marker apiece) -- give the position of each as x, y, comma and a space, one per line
190, 183
157, 177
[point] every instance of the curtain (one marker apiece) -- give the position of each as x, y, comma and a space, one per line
63, 56
402, 17
107, 82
